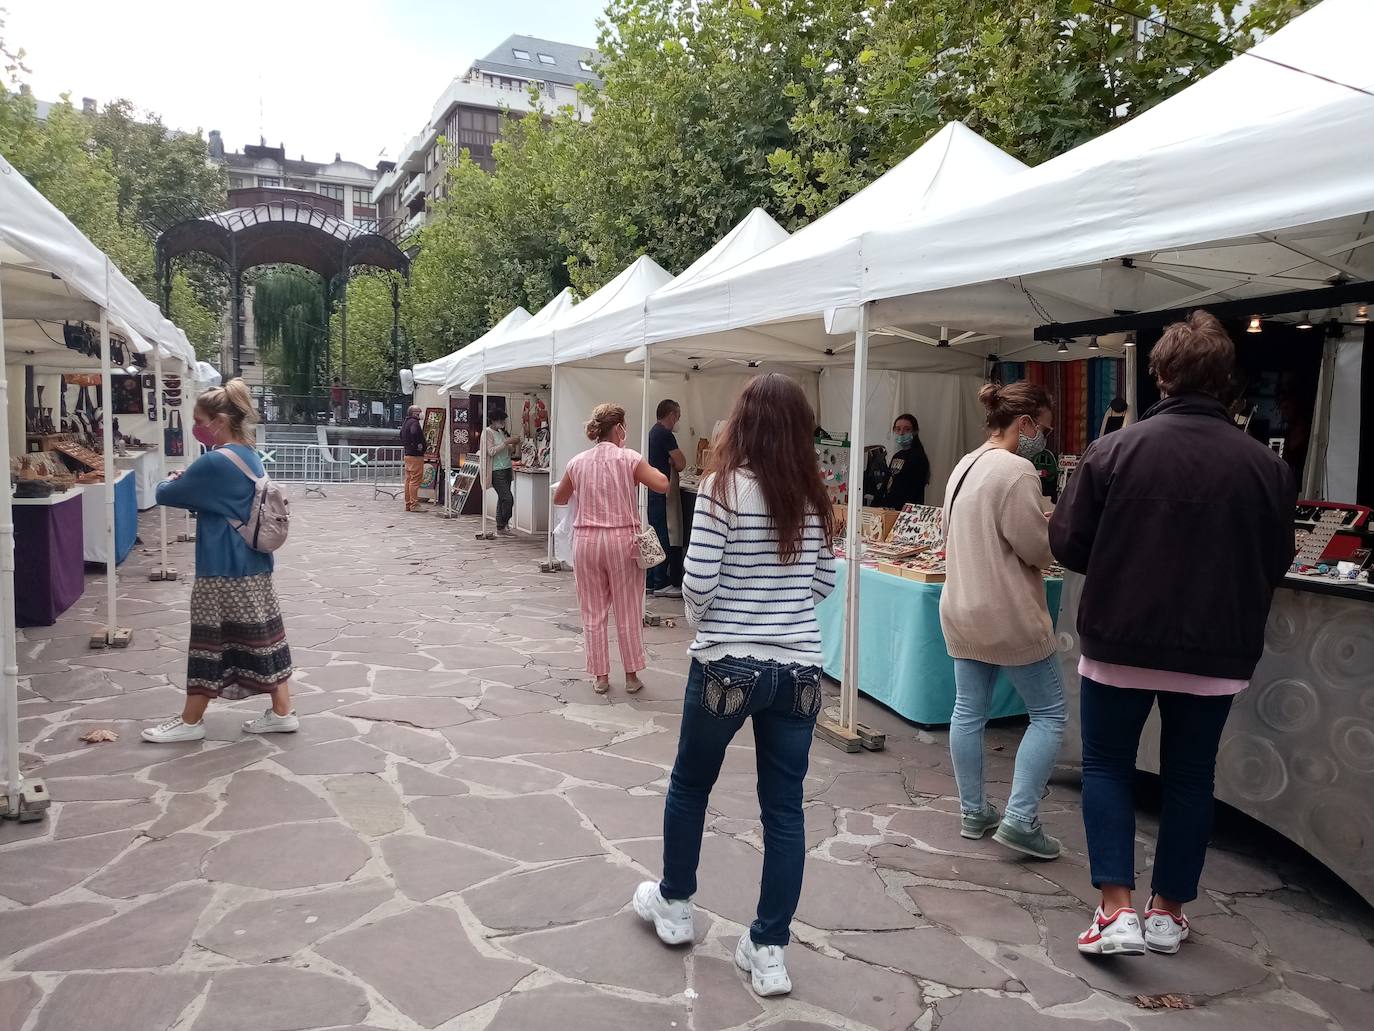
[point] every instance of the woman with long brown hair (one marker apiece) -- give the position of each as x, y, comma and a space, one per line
758, 560
606, 558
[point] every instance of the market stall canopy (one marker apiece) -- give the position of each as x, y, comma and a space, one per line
467, 372
1254, 181
772, 306
436, 372
622, 329
50, 272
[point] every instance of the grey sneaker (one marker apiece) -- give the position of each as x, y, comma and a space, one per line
976, 825
270, 723
1029, 841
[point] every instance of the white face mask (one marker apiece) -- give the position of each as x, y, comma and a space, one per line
1029, 447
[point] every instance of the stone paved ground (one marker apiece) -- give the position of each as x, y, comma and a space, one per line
451, 840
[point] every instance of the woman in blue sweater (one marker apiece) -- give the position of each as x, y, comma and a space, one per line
238, 644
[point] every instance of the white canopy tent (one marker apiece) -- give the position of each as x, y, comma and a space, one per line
529, 337
50, 274
436, 373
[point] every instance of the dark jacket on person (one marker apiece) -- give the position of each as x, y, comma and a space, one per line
1184, 527
412, 437
908, 473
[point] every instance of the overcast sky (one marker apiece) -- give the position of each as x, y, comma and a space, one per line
350, 76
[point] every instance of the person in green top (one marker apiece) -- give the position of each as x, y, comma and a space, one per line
497, 448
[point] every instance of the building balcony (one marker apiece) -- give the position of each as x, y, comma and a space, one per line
413, 189
415, 223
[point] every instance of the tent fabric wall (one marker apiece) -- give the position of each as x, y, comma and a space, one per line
1343, 441
946, 406
706, 398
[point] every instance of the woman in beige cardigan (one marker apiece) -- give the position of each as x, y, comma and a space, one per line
994, 615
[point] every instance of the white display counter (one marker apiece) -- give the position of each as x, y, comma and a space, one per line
143, 464
532, 500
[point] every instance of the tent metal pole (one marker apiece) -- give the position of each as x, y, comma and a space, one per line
483, 457
549, 565
1128, 371
849, 685
9, 648
106, 380
644, 438
158, 436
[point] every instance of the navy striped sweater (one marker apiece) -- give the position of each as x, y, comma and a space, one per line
741, 597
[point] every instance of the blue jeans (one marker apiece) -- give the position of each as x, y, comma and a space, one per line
658, 518
1190, 733
1041, 689
783, 701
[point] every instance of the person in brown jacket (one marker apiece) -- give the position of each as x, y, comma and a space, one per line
994, 616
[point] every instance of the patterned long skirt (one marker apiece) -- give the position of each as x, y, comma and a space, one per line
238, 642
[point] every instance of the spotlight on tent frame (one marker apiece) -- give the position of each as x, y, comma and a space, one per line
1254, 326
1063, 347
1093, 345
1362, 314
944, 337
1306, 322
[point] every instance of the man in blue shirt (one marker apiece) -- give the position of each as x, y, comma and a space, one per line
665, 456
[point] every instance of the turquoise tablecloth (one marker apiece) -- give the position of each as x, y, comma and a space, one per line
902, 657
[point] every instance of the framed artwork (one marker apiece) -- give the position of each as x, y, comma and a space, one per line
128, 395
433, 428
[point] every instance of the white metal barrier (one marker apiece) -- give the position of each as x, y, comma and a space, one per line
320, 466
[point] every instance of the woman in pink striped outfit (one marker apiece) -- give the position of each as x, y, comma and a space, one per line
606, 563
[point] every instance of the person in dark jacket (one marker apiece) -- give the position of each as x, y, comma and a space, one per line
1183, 526
413, 449
909, 471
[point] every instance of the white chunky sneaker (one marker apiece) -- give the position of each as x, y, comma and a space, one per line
1114, 935
672, 920
270, 723
1164, 932
765, 966
174, 731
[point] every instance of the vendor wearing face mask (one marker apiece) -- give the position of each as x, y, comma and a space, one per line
994, 616
908, 472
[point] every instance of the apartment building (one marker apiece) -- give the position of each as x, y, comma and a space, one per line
468, 116
259, 166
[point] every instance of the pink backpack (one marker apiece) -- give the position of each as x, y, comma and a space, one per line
270, 516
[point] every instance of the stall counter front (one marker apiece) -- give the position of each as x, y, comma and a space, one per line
96, 547
48, 540
144, 466
902, 658
531, 500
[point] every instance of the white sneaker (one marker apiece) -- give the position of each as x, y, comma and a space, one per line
173, 731
270, 723
505, 533
765, 966
668, 592
672, 920
1164, 932
1115, 935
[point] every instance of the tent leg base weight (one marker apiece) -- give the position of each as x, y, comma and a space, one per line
163, 574
831, 731
33, 802
556, 566
485, 536
186, 538
872, 740
117, 638
652, 620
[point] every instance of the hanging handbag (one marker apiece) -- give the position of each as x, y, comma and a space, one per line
173, 443
648, 549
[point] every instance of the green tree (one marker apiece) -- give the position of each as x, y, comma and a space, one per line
288, 324
371, 364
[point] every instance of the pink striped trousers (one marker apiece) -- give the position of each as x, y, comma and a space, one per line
608, 576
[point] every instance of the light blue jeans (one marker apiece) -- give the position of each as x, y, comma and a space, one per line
1042, 690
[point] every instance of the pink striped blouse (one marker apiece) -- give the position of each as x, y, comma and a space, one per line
604, 482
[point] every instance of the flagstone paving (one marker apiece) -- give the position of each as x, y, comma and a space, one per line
452, 838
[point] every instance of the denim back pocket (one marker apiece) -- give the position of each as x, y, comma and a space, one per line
806, 691
727, 688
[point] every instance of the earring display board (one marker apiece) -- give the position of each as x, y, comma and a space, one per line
918, 526
833, 456
460, 433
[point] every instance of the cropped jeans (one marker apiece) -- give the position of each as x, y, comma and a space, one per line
1040, 687
783, 701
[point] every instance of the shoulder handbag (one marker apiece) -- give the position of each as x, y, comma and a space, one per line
173, 442
949, 508
648, 549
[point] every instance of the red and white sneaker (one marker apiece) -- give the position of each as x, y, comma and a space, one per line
1164, 932
1115, 935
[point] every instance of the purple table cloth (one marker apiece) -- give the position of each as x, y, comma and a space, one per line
49, 574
